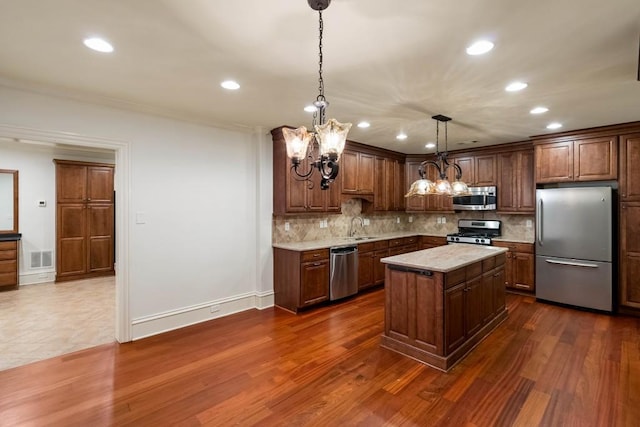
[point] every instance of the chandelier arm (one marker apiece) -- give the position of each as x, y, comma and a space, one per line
301, 176
458, 171
422, 170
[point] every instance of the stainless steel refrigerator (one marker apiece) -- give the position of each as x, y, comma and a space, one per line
574, 246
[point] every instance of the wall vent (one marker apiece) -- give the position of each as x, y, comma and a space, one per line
40, 259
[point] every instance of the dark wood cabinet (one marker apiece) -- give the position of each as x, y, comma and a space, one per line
8, 265
630, 168
519, 272
577, 159
366, 265
478, 170
438, 317
84, 220
291, 194
357, 172
301, 279
630, 255
403, 245
516, 186
431, 202
428, 242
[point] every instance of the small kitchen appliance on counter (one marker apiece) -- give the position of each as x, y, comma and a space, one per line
475, 231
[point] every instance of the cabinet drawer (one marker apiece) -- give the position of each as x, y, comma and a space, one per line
382, 244
8, 266
366, 247
396, 242
488, 264
410, 240
8, 246
433, 240
473, 270
8, 279
452, 278
315, 255
515, 247
8, 255
500, 259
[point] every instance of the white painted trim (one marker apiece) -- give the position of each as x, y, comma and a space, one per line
158, 323
37, 278
123, 192
265, 300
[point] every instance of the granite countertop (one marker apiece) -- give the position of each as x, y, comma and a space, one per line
346, 241
444, 258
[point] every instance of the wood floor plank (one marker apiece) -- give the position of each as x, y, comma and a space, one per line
545, 365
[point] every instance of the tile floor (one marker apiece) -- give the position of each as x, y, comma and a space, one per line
46, 320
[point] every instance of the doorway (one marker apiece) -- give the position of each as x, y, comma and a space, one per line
121, 181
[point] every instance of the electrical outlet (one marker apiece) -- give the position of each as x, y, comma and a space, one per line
444, 219
287, 226
366, 221
215, 308
439, 220
321, 224
529, 223
410, 219
397, 220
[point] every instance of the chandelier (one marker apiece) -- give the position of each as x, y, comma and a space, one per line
424, 186
324, 146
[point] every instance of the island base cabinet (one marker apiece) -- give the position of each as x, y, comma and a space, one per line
437, 318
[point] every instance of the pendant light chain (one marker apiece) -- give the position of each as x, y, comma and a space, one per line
320, 97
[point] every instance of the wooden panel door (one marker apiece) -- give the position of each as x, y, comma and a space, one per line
100, 237
333, 197
296, 190
427, 298
468, 169
379, 266
366, 169
71, 240
554, 162
630, 167
314, 282
523, 271
316, 197
397, 198
596, 159
507, 181
366, 270
499, 301
100, 184
473, 300
485, 170
397, 299
630, 254
454, 308
381, 188
71, 183
349, 171
525, 183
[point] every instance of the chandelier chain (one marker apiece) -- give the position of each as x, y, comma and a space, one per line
320, 79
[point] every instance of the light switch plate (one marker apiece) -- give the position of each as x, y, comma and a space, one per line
287, 226
140, 218
529, 223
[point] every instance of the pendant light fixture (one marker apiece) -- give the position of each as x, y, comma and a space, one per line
324, 146
442, 186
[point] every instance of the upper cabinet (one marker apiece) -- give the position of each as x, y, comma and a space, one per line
357, 172
429, 203
575, 159
291, 194
516, 186
388, 194
629, 167
478, 170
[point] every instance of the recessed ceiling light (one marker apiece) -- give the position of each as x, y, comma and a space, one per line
539, 110
98, 44
480, 47
310, 108
515, 86
401, 136
430, 145
230, 84
554, 125
364, 125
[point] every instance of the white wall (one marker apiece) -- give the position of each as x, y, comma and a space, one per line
198, 190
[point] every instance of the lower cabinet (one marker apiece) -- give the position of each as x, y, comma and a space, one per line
629, 255
8, 265
438, 317
519, 266
428, 242
370, 269
301, 279
403, 245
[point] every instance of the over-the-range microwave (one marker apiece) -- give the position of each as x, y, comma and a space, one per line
480, 199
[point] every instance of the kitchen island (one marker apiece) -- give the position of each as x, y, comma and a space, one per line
441, 302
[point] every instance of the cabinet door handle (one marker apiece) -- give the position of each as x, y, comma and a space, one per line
316, 264
316, 255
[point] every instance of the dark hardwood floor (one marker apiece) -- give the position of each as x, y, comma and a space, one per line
545, 365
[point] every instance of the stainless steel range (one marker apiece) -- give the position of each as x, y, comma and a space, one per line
475, 231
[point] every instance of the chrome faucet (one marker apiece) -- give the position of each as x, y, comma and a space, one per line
351, 230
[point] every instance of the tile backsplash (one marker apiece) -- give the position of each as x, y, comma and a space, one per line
303, 228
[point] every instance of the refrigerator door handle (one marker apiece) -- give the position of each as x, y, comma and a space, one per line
539, 224
575, 264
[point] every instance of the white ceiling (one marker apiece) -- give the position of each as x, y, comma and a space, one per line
392, 63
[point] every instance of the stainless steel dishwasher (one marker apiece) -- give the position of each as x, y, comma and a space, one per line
343, 280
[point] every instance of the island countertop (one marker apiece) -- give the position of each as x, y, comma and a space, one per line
444, 258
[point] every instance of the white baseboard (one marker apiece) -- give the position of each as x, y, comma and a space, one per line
147, 326
38, 277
